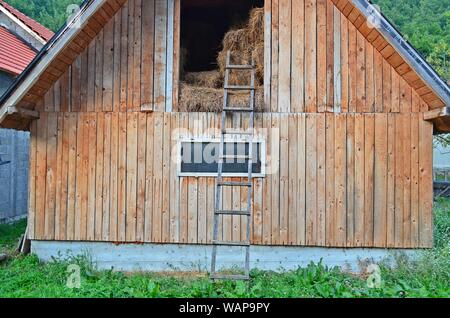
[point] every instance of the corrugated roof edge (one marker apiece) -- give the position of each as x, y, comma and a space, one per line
41, 54
409, 53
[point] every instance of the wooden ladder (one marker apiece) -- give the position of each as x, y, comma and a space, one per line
220, 183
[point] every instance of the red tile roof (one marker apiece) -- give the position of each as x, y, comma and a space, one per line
42, 31
15, 55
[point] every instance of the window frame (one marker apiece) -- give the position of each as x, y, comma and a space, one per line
263, 158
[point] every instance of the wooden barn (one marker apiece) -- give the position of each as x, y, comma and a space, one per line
342, 140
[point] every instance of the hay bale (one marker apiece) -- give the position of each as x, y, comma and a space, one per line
245, 44
205, 99
211, 79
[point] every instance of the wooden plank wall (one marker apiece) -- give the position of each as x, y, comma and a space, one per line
128, 66
323, 57
340, 180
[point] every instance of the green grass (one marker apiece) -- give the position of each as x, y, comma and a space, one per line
425, 276
10, 234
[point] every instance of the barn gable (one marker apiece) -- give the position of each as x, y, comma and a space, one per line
72, 46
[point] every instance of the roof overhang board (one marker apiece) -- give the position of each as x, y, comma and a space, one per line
407, 52
59, 43
440, 118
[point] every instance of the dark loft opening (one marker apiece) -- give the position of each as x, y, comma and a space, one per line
203, 26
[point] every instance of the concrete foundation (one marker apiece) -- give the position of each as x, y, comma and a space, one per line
177, 257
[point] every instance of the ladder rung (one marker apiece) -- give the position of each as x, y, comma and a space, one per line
236, 132
240, 67
239, 88
234, 184
225, 243
225, 212
239, 109
235, 157
230, 277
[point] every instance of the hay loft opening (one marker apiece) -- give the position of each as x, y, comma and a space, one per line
209, 28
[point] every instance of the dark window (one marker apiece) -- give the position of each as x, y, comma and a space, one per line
202, 158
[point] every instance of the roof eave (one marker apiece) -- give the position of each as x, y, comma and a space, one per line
408, 53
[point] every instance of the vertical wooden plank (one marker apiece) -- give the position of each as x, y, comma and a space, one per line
71, 175
124, 58
76, 85
91, 174
337, 72
325, 51
59, 201
122, 178
257, 202
160, 55
176, 54
149, 191
131, 72
175, 180
114, 203
184, 124
141, 176
84, 81
301, 176
311, 179
359, 179
267, 203
395, 91
82, 177
360, 73
345, 64
285, 25
275, 192
370, 81
387, 90
330, 211
137, 51
353, 68
310, 56
65, 90
406, 180
117, 33
298, 57
380, 180
405, 97
415, 194
32, 181
350, 180
391, 165
378, 78
340, 180
284, 178
99, 51
148, 34
90, 107
268, 52
50, 192
202, 190
108, 66
99, 161
399, 195
158, 134
425, 184
321, 181
131, 173
166, 195
170, 57
275, 56
293, 180
106, 182
369, 178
